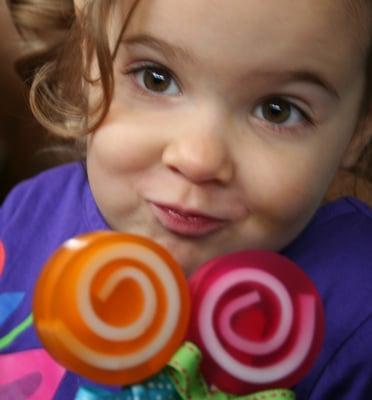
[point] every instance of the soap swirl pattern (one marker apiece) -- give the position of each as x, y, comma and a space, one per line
112, 307
258, 320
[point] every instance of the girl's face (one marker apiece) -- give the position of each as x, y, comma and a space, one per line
228, 122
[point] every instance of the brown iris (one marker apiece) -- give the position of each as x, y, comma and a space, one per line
156, 80
276, 110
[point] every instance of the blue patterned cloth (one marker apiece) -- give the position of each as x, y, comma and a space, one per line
159, 387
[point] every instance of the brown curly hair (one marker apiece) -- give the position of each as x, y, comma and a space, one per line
54, 66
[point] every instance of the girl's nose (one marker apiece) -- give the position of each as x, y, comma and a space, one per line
200, 154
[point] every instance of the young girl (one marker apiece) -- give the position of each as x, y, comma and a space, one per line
212, 127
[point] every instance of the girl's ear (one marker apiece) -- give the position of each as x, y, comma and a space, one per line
361, 138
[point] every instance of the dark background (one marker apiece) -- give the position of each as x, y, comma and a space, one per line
20, 136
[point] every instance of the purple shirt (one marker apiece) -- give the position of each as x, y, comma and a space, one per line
334, 250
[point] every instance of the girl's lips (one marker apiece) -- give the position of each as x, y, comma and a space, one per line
184, 222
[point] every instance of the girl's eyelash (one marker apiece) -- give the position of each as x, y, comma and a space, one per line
281, 128
137, 67
141, 66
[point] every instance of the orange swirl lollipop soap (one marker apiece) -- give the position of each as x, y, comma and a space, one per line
112, 307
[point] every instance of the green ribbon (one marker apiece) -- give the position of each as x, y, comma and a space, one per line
184, 371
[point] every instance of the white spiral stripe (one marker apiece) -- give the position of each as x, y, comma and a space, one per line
282, 369
238, 276
75, 244
137, 328
257, 375
227, 314
162, 271
86, 354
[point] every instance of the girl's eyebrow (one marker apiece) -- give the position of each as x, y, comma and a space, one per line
161, 45
301, 75
178, 52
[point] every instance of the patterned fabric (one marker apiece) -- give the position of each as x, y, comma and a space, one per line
159, 387
29, 374
2, 257
9, 303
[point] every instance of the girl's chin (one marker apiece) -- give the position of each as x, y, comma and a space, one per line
191, 260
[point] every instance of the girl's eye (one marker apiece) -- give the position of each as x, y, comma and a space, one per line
156, 80
279, 111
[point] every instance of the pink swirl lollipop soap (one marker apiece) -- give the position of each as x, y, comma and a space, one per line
258, 320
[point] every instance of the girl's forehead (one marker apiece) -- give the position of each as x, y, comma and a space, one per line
286, 14
221, 21
234, 33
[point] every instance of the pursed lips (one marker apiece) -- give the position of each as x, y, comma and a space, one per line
186, 222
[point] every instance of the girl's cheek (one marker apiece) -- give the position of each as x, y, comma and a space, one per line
124, 142
284, 186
